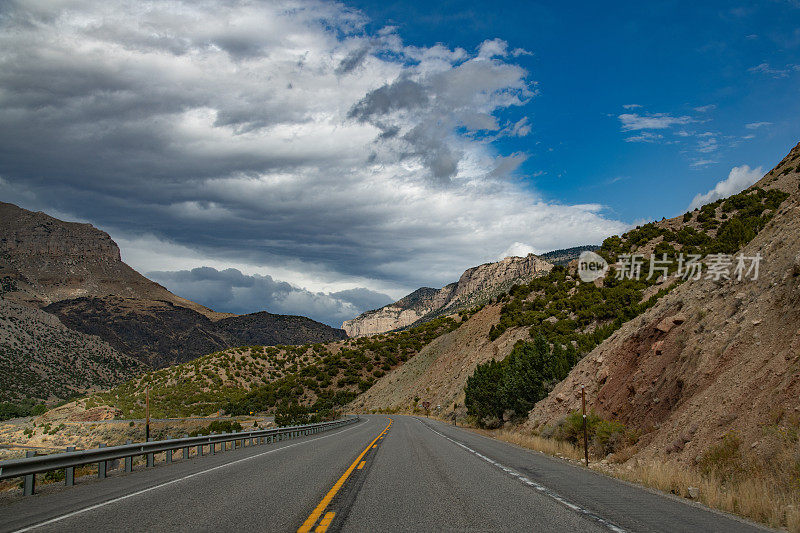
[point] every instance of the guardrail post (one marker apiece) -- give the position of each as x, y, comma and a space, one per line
150, 457
102, 465
199, 450
129, 459
212, 448
168, 454
69, 472
29, 482
234, 440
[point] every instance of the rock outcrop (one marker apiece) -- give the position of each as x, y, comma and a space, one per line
476, 286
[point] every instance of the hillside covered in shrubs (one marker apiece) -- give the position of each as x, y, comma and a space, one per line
259, 378
568, 318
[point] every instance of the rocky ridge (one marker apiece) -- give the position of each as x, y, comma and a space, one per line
476, 286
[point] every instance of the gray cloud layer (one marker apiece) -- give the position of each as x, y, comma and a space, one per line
275, 135
233, 292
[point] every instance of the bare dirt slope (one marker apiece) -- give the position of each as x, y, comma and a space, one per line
709, 359
439, 372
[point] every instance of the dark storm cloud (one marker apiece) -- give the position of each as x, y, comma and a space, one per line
231, 291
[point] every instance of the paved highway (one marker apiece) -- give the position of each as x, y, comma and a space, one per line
384, 473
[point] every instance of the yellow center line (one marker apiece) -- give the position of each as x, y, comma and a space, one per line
317, 512
325, 523
361, 464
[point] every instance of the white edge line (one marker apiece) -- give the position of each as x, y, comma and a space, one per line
538, 487
184, 478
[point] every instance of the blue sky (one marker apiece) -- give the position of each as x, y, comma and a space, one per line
320, 158
592, 58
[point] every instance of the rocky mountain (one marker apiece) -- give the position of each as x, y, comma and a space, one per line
74, 272
46, 260
261, 378
439, 372
476, 286
712, 358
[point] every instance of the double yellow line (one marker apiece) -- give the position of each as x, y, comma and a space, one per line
328, 518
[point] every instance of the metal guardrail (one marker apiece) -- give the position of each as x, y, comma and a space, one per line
28, 467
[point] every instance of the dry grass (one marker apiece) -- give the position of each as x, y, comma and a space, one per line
759, 496
756, 498
535, 442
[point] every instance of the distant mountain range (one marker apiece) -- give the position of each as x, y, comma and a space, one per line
476, 286
74, 272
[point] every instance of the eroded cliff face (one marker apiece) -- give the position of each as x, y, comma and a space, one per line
476, 286
50, 260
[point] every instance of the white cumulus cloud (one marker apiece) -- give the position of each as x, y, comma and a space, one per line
738, 180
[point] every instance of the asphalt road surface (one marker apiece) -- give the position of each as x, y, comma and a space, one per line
384, 473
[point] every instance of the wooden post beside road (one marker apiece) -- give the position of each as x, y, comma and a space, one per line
585, 430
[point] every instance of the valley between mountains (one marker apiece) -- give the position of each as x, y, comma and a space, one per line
690, 384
